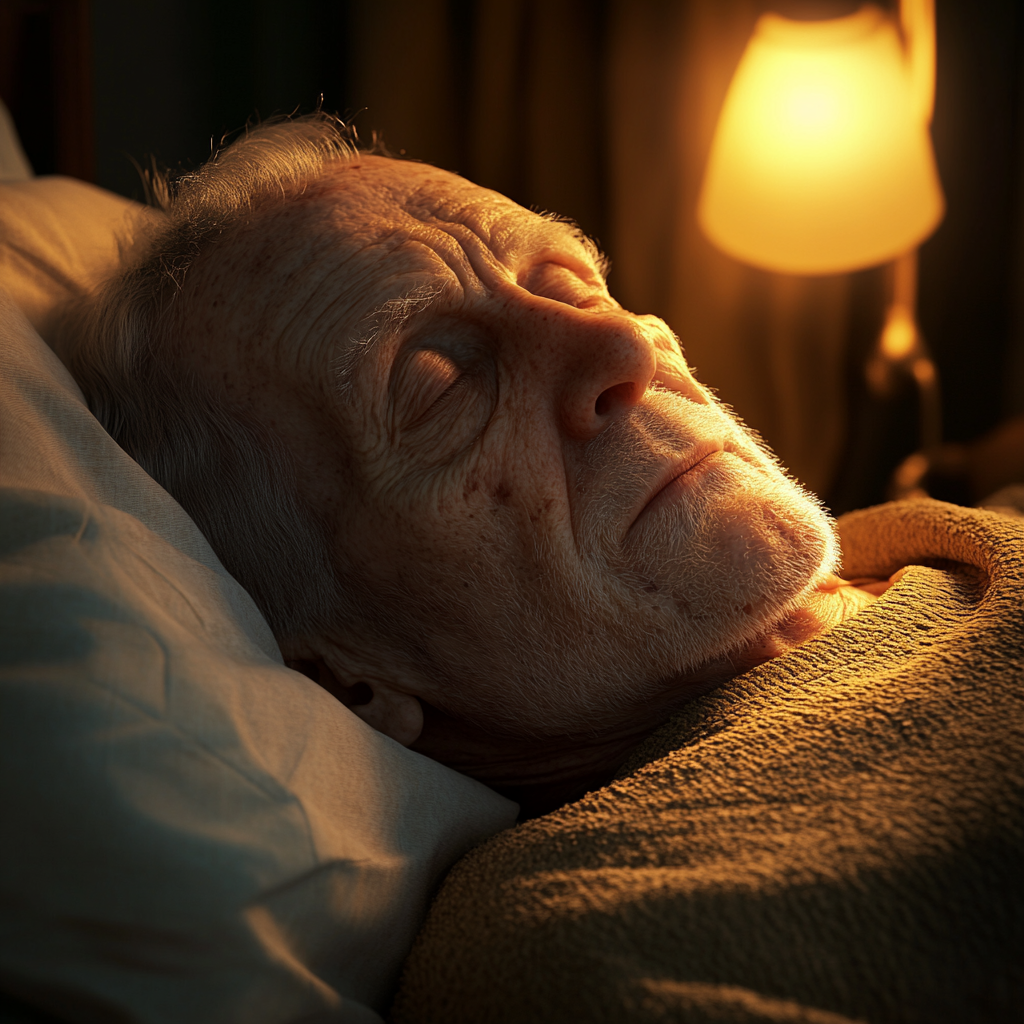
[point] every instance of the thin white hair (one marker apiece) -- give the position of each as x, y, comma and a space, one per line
384, 322
228, 472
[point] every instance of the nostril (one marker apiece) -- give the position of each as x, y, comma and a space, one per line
613, 398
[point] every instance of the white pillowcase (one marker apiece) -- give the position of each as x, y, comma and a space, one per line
58, 238
191, 830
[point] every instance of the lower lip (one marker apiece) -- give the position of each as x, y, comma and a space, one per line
684, 482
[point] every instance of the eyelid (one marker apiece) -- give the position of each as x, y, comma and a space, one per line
434, 361
426, 376
588, 293
592, 301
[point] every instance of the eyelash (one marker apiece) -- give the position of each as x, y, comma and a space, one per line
456, 385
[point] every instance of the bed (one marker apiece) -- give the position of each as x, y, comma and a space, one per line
197, 833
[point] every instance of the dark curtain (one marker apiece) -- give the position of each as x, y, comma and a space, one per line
604, 111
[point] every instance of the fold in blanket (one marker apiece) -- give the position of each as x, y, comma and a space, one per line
836, 835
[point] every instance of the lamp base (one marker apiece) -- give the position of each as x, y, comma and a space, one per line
964, 474
944, 473
901, 351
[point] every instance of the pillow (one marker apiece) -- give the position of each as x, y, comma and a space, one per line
59, 237
191, 830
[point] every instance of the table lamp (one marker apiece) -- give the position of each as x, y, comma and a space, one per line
822, 163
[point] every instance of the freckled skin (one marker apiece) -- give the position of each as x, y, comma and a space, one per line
531, 602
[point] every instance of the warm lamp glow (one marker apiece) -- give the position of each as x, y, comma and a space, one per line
899, 335
822, 160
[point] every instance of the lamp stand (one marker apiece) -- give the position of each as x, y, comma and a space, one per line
902, 351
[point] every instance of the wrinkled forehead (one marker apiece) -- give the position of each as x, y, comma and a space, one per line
416, 214
310, 271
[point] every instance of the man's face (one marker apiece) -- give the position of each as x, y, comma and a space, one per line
548, 526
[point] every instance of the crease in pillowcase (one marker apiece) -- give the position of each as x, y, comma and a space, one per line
46, 268
48, 622
259, 779
200, 620
48, 617
28, 517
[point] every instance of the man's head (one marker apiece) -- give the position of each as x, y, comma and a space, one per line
513, 502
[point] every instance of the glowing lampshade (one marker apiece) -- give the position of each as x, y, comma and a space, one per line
822, 160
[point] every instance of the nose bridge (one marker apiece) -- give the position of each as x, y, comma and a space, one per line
601, 365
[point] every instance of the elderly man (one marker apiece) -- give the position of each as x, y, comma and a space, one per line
497, 517
486, 507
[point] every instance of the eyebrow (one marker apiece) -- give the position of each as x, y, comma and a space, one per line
581, 238
380, 325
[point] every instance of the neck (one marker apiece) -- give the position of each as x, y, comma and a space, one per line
544, 774
541, 774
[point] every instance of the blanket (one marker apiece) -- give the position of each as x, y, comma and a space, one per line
837, 835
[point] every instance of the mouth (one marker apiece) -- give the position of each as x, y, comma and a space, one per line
676, 479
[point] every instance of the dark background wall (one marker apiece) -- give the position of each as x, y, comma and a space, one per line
971, 274
171, 79
517, 94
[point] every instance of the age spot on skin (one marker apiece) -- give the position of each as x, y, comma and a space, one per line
502, 493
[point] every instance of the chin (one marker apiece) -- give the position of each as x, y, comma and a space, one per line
739, 554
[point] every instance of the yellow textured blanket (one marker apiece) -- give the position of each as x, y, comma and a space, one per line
836, 835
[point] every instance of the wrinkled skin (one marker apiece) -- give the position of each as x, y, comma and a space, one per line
552, 534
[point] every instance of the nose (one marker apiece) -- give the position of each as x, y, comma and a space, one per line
610, 361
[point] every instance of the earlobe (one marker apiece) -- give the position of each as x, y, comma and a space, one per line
367, 692
398, 715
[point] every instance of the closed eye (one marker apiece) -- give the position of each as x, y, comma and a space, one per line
425, 379
558, 282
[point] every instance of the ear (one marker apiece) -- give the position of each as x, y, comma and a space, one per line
390, 711
379, 701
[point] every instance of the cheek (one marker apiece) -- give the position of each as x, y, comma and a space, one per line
436, 590
447, 555
430, 536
